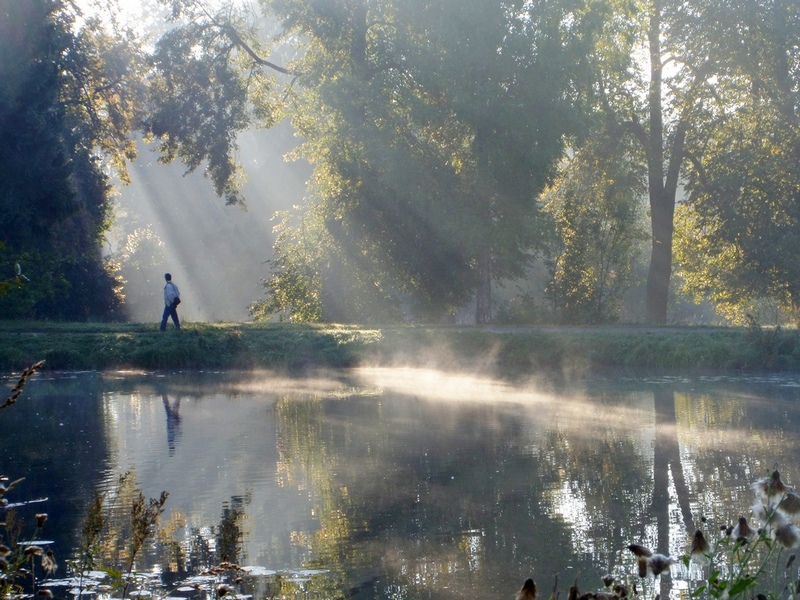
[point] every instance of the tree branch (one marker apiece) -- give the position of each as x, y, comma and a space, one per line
698, 166
237, 39
638, 132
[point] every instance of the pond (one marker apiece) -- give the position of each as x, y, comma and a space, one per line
394, 483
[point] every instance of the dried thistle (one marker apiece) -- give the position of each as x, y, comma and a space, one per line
528, 590
49, 562
658, 563
16, 391
699, 551
788, 535
790, 503
742, 532
639, 550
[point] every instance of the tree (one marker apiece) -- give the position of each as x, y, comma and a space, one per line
744, 202
596, 209
432, 128
67, 102
208, 84
661, 102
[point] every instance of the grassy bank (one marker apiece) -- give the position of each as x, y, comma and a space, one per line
292, 347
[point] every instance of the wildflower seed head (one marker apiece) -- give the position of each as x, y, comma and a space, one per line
788, 535
621, 590
223, 589
608, 580
33, 551
4, 550
790, 503
40, 519
770, 489
527, 591
44, 594
699, 551
776, 484
574, 594
742, 530
639, 550
641, 564
49, 562
658, 563
771, 518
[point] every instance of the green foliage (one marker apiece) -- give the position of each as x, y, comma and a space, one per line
431, 127
742, 221
66, 96
293, 289
746, 216
743, 558
199, 94
313, 280
596, 209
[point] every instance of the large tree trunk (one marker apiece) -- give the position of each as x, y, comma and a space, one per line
661, 220
662, 193
483, 293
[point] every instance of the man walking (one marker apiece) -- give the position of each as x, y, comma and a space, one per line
172, 297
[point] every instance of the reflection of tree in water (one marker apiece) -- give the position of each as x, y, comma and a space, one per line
603, 484
230, 535
438, 511
739, 435
205, 547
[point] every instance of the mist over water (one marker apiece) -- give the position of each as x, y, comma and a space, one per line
413, 480
216, 253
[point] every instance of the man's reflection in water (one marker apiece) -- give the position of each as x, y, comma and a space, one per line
173, 421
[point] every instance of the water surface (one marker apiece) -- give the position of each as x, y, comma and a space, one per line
401, 483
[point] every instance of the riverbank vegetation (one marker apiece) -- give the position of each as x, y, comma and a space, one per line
508, 351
